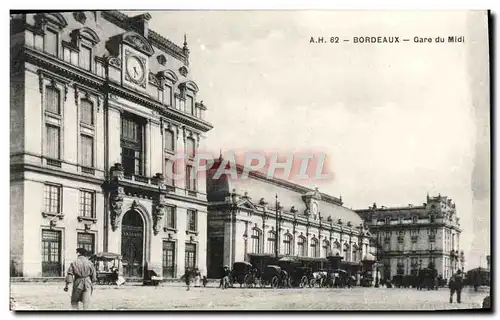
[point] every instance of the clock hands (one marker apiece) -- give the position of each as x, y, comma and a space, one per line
135, 71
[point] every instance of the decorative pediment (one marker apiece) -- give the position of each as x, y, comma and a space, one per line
168, 75
190, 85
246, 204
138, 42
86, 34
55, 19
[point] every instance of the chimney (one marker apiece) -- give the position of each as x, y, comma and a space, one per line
140, 24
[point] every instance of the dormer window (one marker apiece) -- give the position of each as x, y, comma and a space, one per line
79, 51
85, 58
387, 220
51, 42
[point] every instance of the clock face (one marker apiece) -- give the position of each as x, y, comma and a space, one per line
135, 69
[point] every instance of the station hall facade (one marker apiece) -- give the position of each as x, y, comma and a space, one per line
261, 219
99, 106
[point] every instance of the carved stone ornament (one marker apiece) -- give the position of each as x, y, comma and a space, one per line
161, 59
153, 79
158, 213
115, 62
116, 172
183, 71
80, 17
116, 204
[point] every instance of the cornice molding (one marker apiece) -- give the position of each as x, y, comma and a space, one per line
69, 73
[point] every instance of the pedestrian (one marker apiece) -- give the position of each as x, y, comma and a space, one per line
81, 273
456, 285
187, 278
197, 277
225, 278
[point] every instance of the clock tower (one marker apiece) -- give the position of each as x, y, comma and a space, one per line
136, 51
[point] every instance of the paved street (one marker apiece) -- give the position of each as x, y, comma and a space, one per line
50, 296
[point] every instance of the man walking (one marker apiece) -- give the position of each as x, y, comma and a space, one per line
456, 285
82, 274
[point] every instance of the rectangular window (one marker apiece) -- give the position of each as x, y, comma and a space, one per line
169, 172
52, 100
74, 58
170, 218
86, 241
168, 260
168, 95
190, 256
50, 42
87, 204
287, 245
192, 225
132, 148
190, 178
87, 151
53, 142
169, 140
52, 198
190, 105
190, 147
85, 58
51, 253
87, 112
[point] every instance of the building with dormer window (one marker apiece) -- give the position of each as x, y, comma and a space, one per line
247, 216
409, 238
99, 106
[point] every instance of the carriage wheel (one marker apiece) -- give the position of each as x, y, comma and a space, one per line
275, 282
312, 283
303, 282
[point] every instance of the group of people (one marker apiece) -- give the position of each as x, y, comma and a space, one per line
194, 274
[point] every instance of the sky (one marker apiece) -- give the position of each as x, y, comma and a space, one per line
397, 121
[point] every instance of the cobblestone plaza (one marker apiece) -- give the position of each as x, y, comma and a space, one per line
173, 296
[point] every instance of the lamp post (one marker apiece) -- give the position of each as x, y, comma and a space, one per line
462, 259
277, 232
377, 258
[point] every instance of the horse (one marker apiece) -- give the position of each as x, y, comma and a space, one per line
320, 278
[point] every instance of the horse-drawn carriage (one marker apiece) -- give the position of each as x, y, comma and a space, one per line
107, 265
244, 274
274, 276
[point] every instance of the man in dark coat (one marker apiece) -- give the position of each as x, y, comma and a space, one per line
82, 274
456, 284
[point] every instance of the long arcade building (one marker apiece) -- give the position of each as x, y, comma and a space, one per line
312, 226
99, 104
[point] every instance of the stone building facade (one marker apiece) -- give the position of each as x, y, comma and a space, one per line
99, 106
410, 237
312, 226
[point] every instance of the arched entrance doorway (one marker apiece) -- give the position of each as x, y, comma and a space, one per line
132, 244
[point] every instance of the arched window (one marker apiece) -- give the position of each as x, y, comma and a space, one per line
271, 242
314, 248
326, 248
256, 240
287, 244
354, 253
52, 98
302, 250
